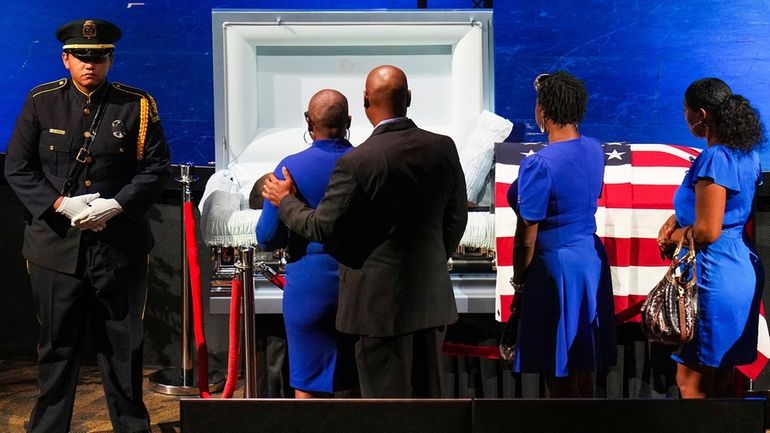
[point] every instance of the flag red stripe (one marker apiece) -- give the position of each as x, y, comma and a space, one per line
620, 252
752, 370
505, 251
616, 195
686, 149
635, 196
633, 252
627, 308
658, 159
501, 194
505, 307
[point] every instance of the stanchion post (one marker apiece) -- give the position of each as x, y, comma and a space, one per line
182, 381
187, 363
246, 266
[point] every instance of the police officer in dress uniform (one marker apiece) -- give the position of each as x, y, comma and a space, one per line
87, 243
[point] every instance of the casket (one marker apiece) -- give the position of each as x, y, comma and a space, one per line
267, 65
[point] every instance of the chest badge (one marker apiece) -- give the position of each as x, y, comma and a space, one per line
118, 129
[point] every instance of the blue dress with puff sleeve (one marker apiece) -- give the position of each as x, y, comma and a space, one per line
567, 314
321, 359
729, 273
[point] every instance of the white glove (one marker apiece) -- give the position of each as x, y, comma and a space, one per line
95, 217
72, 206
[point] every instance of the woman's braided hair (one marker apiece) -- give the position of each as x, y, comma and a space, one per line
562, 97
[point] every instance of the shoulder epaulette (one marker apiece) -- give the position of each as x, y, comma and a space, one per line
142, 94
47, 87
148, 112
128, 89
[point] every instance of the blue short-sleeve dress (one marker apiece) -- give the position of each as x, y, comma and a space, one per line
321, 359
567, 316
729, 273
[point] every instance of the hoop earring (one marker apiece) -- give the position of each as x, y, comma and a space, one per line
347, 134
304, 137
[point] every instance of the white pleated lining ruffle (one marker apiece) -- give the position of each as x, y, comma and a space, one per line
226, 219
480, 231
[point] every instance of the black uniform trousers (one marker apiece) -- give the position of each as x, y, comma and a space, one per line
403, 366
107, 294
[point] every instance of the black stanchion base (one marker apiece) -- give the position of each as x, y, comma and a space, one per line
176, 381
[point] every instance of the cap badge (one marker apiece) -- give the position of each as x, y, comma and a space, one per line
89, 29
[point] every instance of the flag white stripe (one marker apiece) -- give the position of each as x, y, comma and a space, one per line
635, 280
763, 337
663, 148
613, 174
626, 280
502, 287
644, 175
505, 222
505, 173
630, 223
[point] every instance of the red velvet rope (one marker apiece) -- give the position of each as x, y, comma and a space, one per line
459, 349
197, 303
234, 356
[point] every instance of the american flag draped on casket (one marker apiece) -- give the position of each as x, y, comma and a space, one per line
639, 185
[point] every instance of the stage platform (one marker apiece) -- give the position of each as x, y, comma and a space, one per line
473, 416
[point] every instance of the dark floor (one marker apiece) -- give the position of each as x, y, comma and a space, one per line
18, 389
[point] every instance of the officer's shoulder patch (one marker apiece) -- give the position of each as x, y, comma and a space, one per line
48, 87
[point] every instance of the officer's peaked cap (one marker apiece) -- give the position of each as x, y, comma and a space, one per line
89, 35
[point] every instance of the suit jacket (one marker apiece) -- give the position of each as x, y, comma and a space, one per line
130, 163
394, 211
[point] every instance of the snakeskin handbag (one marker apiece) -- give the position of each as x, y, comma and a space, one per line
670, 311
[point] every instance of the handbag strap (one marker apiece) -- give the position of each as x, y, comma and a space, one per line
682, 320
691, 252
688, 259
675, 260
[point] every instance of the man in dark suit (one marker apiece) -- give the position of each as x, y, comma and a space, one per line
87, 236
394, 211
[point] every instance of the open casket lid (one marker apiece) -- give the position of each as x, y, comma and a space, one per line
267, 65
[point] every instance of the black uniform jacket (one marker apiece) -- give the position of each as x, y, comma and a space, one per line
130, 163
394, 211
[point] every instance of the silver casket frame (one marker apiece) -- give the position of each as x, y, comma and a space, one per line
267, 65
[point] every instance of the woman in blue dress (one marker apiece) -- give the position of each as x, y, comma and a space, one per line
561, 274
321, 359
715, 199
